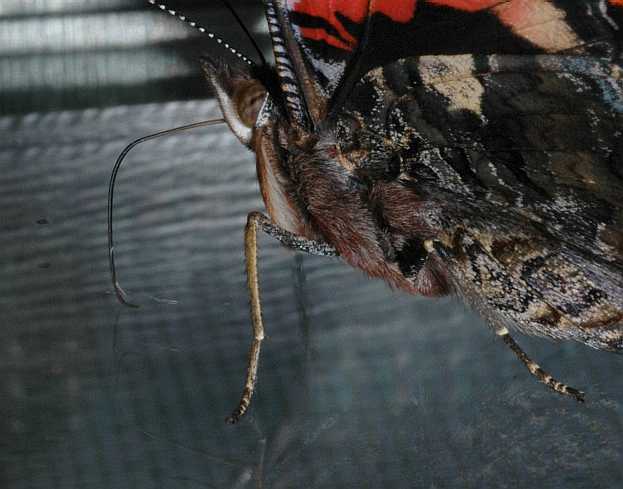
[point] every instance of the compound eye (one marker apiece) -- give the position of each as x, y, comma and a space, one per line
248, 99
238, 93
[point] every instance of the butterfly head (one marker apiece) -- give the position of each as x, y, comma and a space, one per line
254, 111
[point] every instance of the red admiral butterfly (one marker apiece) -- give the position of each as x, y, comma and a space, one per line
468, 147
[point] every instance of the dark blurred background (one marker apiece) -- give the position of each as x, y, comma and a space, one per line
359, 387
70, 54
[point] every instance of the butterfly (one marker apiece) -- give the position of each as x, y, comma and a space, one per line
466, 147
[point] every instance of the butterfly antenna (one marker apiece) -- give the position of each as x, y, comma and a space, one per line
211, 34
245, 30
119, 292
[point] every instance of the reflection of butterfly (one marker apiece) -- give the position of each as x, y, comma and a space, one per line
472, 147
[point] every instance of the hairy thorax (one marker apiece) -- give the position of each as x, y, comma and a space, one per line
375, 224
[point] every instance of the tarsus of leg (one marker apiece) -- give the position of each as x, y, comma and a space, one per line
536, 370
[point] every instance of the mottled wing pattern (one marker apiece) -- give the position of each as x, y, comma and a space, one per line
515, 168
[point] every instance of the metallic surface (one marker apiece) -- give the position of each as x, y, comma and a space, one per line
359, 386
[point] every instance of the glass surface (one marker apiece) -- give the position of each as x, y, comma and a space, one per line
359, 386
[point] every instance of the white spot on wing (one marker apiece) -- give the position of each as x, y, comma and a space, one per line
540, 22
453, 77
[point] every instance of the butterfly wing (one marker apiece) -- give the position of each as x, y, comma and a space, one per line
504, 118
323, 47
513, 167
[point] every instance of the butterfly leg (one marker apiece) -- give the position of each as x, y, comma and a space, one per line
536, 370
291, 240
255, 221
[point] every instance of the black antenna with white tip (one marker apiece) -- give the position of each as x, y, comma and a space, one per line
211, 34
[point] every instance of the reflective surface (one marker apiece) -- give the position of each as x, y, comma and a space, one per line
359, 386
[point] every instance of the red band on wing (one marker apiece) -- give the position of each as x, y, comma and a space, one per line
616, 3
397, 11
466, 5
355, 10
319, 34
